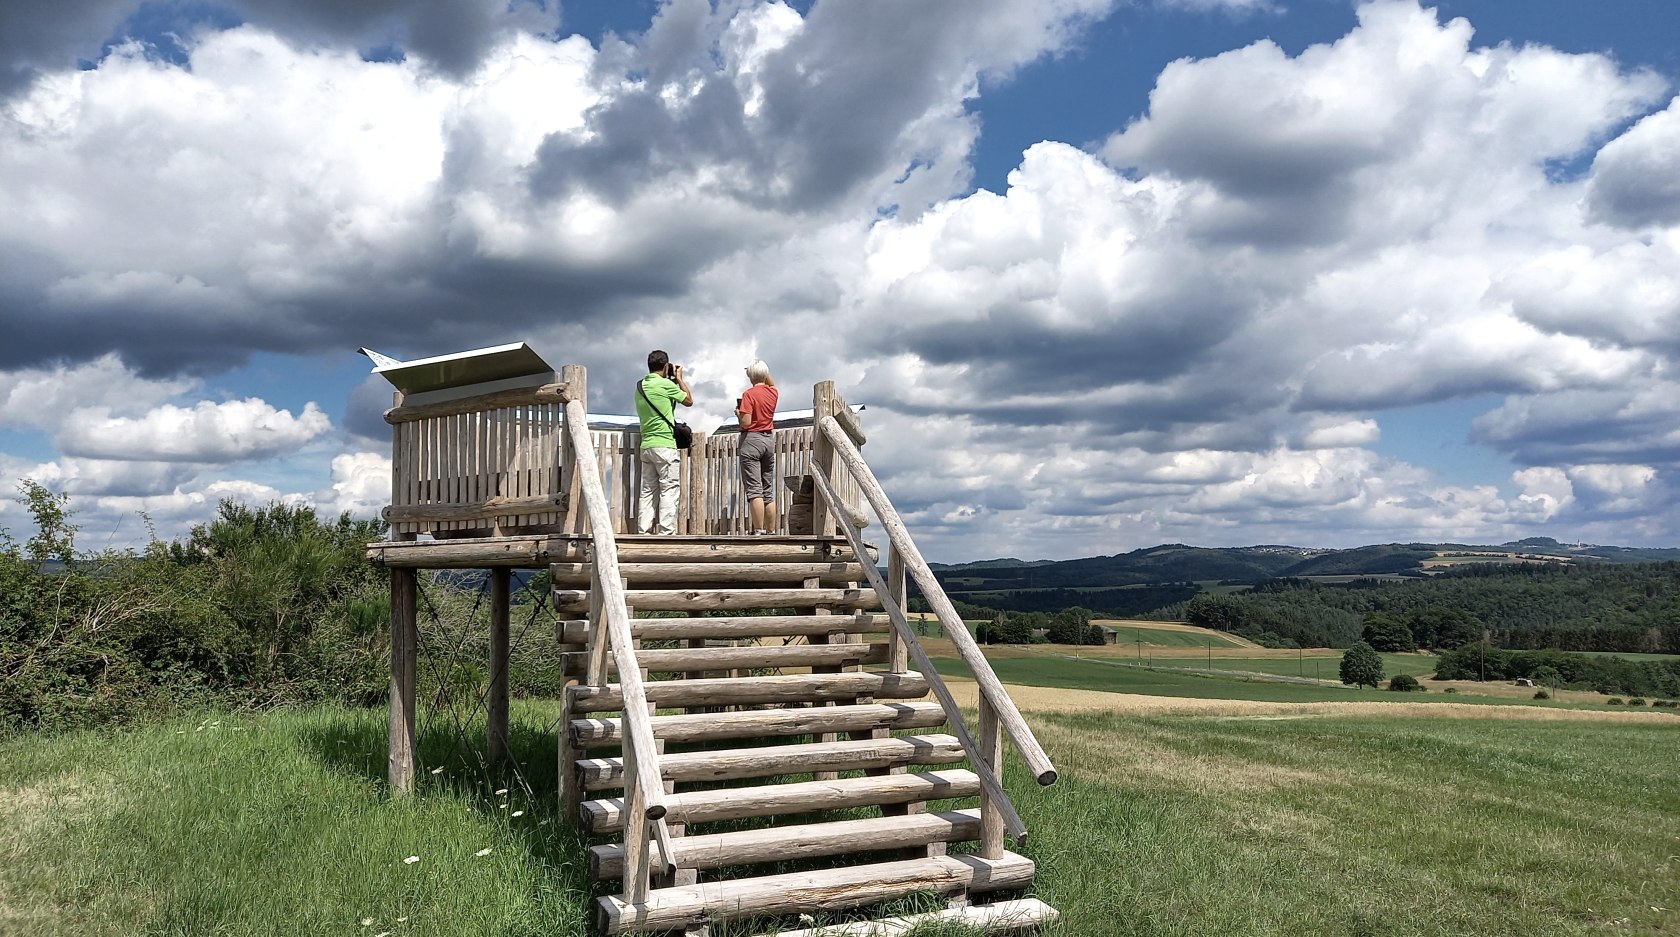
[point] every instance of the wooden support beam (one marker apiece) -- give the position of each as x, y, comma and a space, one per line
405, 637
848, 420
496, 400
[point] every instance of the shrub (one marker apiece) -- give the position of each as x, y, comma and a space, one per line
1637, 701
1451, 689
1613, 701
1404, 683
1542, 694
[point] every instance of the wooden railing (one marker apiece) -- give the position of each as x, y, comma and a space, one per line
496, 464
998, 714
609, 633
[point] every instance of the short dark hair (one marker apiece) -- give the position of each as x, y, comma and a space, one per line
657, 360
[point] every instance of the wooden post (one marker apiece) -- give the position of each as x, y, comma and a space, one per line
496, 705
898, 594
822, 456
990, 738
405, 638
694, 517
575, 379
638, 864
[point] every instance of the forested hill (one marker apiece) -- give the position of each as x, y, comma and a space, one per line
1176, 562
1632, 607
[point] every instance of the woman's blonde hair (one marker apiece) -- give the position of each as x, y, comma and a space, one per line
758, 372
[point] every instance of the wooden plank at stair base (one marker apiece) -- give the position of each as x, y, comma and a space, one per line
607, 814
572, 601
576, 631
804, 841
655, 575
746, 657
765, 723
785, 688
819, 890
1000, 917
768, 761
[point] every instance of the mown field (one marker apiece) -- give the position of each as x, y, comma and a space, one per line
1162, 825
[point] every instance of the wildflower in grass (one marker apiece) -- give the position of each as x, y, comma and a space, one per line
501, 792
519, 813
383, 933
401, 919
367, 922
411, 860
438, 769
483, 852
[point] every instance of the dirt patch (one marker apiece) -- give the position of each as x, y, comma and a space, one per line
1052, 700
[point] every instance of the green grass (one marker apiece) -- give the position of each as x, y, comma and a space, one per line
281, 825
1175, 677
1322, 667
1161, 637
1192, 826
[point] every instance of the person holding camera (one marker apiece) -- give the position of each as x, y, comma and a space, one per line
756, 411
657, 396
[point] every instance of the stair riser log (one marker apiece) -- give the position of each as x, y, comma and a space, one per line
825, 890
787, 688
607, 815
668, 575
600, 773
999, 917
751, 657
792, 843
572, 602
767, 723
576, 631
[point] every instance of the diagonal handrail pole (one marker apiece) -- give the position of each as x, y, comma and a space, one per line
638, 730
990, 686
936, 681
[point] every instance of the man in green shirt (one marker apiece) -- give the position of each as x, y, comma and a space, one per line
657, 397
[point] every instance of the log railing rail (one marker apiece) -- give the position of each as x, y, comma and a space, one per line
998, 714
610, 633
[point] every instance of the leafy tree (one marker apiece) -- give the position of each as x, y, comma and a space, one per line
1220, 612
1069, 626
1362, 666
1388, 634
55, 536
1404, 683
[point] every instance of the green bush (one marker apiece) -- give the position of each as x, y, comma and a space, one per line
1451, 689
1637, 701
1613, 701
1542, 694
1404, 683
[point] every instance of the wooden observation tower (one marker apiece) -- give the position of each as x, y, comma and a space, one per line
783, 724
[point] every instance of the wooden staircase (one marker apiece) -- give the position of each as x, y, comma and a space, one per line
797, 778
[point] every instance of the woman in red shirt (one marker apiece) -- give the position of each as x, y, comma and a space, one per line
756, 412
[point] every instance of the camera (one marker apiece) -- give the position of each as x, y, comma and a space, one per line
672, 369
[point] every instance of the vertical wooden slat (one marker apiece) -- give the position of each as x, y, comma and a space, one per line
898, 654
990, 739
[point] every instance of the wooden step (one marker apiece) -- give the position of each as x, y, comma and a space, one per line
663, 548
667, 575
1000, 917
573, 601
804, 841
819, 890
734, 803
746, 657
576, 630
733, 691
766, 761
763, 723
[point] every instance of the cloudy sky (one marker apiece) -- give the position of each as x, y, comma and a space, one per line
1107, 273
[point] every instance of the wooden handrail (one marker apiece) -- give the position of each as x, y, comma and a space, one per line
901, 625
639, 731
991, 688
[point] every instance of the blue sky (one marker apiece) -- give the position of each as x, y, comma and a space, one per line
1210, 271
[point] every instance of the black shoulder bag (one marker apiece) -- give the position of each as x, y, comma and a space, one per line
684, 435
